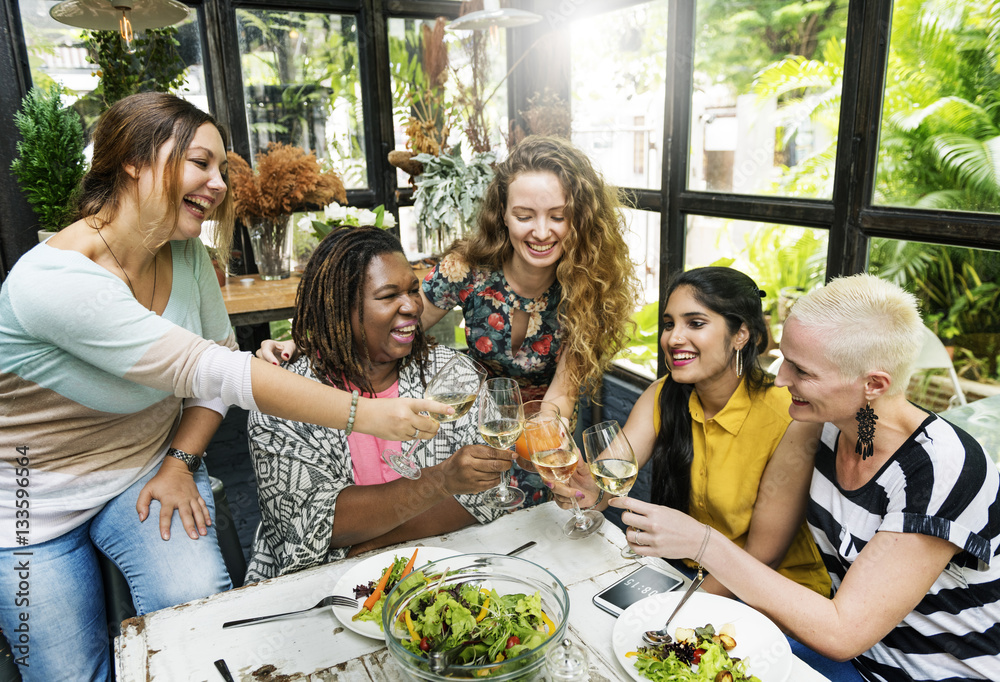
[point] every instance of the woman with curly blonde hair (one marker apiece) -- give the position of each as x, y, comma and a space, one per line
549, 260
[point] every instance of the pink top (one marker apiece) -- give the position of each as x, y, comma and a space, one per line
366, 451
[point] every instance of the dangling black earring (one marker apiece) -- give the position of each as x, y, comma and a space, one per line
866, 431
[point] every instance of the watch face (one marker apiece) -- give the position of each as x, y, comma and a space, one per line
193, 462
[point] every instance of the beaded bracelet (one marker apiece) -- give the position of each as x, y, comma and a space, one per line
354, 410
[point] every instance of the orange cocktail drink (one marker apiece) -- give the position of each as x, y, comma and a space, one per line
534, 413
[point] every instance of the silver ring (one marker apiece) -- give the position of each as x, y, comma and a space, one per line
635, 537
416, 434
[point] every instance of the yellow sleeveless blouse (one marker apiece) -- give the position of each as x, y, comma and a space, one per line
731, 451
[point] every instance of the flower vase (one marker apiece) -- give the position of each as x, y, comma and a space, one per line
271, 239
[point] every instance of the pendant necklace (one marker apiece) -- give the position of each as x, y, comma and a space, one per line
127, 278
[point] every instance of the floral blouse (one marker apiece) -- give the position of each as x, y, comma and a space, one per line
488, 302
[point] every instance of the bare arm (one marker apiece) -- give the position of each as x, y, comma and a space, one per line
287, 395
886, 581
445, 517
432, 314
781, 499
173, 485
560, 392
365, 512
641, 435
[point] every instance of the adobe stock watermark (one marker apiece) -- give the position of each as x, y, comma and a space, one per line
20, 639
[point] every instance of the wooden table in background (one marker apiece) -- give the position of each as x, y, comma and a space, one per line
251, 300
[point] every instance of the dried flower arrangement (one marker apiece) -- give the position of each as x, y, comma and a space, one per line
547, 114
287, 180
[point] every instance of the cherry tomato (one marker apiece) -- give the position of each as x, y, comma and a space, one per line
512, 641
425, 644
697, 656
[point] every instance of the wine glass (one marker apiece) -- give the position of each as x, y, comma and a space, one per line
612, 462
500, 424
553, 456
531, 409
456, 384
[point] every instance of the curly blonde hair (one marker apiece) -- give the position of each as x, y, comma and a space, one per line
599, 289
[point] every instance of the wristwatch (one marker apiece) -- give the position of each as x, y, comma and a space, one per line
193, 462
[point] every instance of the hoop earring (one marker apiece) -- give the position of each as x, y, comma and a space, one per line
739, 362
866, 418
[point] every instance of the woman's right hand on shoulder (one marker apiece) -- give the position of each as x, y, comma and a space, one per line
277, 352
399, 418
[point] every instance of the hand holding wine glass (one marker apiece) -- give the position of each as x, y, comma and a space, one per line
500, 424
611, 461
553, 455
456, 384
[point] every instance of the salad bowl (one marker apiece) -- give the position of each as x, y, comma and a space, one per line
527, 603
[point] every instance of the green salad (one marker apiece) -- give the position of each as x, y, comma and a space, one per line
486, 626
698, 655
376, 590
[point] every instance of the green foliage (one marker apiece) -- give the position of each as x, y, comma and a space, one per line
779, 257
50, 160
958, 291
449, 193
155, 65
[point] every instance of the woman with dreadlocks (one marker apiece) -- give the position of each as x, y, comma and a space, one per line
323, 493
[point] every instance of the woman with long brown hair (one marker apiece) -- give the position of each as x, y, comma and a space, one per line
118, 364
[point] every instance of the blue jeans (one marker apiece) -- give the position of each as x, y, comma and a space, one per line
52, 596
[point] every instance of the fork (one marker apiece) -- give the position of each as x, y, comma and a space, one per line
333, 600
661, 636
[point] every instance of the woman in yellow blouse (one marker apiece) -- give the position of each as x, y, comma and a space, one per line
722, 445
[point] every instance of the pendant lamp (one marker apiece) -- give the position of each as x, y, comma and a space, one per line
492, 15
121, 15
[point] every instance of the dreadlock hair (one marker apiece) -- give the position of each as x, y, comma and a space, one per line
332, 287
735, 297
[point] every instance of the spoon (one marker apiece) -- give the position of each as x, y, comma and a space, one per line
661, 636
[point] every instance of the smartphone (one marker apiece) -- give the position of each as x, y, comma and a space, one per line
639, 584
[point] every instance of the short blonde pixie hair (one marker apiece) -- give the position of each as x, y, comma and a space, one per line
868, 325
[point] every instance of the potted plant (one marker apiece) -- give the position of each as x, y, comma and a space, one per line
287, 180
50, 160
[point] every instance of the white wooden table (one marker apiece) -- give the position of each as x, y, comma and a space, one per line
181, 643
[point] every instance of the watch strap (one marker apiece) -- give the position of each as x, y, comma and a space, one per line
193, 462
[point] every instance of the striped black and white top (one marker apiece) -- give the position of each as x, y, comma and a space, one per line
939, 483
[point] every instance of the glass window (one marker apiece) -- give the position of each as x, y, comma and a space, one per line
785, 261
644, 238
959, 294
940, 121
57, 53
766, 100
618, 70
473, 73
301, 86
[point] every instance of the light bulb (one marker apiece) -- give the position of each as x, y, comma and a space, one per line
125, 28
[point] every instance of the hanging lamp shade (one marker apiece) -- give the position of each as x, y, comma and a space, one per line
493, 15
105, 15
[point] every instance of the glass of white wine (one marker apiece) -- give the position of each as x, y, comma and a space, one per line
456, 384
500, 423
611, 461
555, 460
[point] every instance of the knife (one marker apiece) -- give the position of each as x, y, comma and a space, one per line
224, 670
521, 548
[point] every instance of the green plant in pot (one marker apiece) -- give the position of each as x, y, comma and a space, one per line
50, 160
449, 194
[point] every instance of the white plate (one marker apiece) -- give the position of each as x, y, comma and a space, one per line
758, 640
371, 569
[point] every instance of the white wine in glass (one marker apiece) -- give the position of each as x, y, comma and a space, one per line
501, 419
552, 454
462, 402
611, 461
457, 384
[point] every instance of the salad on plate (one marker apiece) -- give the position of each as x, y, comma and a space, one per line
698, 655
375, 591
